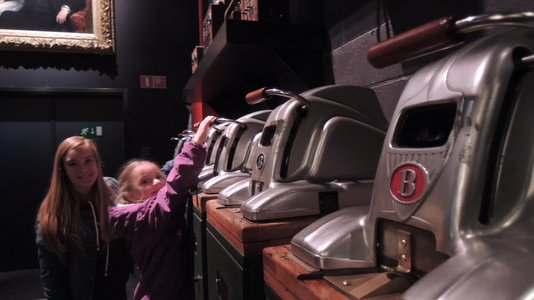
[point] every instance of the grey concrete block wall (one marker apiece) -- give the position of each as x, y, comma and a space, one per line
354, 26
350, 66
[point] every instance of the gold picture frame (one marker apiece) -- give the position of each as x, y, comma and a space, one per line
99, 37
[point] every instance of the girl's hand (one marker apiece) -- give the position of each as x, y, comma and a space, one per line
203, 130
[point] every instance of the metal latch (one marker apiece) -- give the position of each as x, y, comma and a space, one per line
404, 251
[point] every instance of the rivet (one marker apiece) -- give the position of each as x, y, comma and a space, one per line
346, 283
403, 257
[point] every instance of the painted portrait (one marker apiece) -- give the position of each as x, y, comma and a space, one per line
57, 25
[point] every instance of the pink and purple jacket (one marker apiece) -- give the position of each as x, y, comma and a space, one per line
157, 233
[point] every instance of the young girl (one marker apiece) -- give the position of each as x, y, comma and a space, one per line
155, 227
77, 256
139, 180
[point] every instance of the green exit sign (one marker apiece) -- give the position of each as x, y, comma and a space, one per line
91, 131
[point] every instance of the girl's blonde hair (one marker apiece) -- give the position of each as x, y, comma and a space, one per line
59, 213
126, 180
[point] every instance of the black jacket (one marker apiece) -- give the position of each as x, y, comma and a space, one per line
88, 273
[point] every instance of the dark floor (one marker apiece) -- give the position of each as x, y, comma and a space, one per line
26, 285
23, 285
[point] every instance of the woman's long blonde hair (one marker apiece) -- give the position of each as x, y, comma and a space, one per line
59, 213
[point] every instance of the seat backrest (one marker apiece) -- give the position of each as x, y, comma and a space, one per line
321, 141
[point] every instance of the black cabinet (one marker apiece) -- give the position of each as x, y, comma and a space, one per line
198, 224
199, 253
231, 275
247, 55
234, 247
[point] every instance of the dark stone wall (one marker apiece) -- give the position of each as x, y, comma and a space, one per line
354, 26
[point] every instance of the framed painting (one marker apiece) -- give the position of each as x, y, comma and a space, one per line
82, 26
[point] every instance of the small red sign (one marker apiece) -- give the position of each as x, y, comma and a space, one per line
146, 82
160, 82
408, 183
153, 82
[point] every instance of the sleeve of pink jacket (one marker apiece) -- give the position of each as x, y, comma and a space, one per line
153, 216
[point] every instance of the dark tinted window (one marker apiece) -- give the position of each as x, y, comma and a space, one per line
425, 127
267, 135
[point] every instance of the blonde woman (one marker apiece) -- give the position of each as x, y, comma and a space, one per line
78, 257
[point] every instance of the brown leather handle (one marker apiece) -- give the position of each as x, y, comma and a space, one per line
256, 96
432, 36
